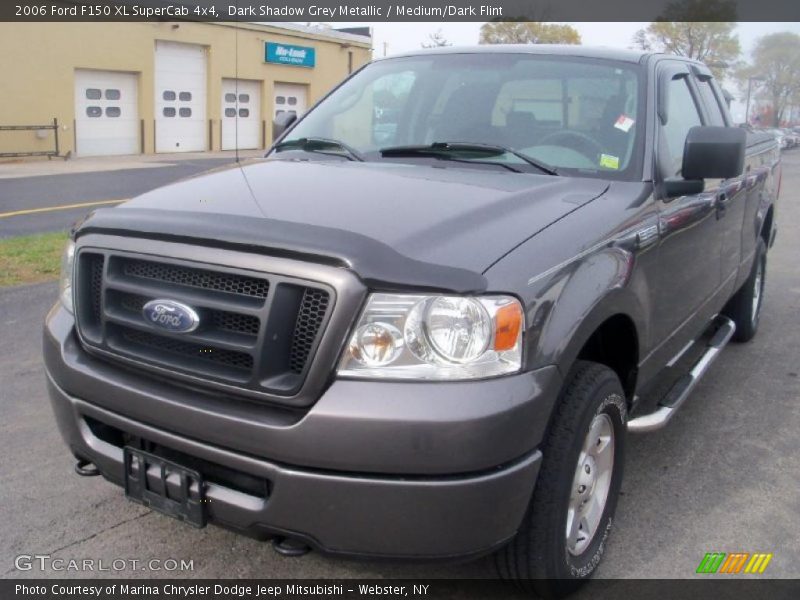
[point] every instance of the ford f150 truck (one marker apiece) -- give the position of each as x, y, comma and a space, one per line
422, 325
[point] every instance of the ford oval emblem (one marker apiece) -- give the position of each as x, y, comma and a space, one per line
170, 315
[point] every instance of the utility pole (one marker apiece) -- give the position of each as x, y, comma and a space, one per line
750, 81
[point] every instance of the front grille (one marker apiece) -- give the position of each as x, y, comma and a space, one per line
219, 319
257, 331
198, 278
309, 319
187, 351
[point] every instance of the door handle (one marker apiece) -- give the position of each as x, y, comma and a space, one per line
721, 204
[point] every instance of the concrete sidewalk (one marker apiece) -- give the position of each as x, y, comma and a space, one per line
39, 166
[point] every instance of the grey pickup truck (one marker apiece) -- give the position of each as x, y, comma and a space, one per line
423, 325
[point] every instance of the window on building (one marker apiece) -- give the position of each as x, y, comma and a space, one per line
292, 100
93, 94
244, 98
169, 111
185, 112
113, 111
185, 96
278, 113
280, 100
230, 112
94, 111
168, 95
244, 113
112, 94
230, 97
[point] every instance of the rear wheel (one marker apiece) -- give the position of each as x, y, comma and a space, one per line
744, 309
563, 535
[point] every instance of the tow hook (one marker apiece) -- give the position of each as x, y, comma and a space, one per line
289, 547
86, 468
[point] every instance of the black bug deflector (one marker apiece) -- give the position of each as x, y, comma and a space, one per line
377, 265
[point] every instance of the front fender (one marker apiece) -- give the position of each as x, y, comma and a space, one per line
582, 297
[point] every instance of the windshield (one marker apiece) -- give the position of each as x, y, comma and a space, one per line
581, 116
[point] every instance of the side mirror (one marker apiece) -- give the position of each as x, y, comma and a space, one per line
714, 153
281, 123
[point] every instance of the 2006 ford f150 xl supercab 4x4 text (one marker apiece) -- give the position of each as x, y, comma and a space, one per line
423, 325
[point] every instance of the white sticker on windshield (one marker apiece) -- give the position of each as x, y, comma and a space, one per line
624, 123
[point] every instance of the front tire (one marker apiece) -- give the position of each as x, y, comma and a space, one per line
563, 535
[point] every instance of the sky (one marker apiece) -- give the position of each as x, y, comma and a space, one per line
394, 38
402, 37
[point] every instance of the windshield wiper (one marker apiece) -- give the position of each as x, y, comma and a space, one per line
441, 149
319, 145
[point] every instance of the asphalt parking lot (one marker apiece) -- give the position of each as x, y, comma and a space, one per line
50, 193
723, 476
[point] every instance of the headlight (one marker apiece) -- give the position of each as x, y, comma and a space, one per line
404, 336
65, 281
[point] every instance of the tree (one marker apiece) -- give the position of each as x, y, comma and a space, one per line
776, 64
436, 40
528, 32
695, 29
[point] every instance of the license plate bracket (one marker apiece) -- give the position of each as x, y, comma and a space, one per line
159, 495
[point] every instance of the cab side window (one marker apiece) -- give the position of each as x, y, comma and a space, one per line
712, 103
682, 115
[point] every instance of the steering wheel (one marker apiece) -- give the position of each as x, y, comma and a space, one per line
580, 142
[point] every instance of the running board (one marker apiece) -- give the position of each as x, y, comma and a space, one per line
680, 391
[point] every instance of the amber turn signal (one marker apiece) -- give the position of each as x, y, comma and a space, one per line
507, 325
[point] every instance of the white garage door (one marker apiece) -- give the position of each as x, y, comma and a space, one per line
106, 116
291, 98
241, 114
180, 101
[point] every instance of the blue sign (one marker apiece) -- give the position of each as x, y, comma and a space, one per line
285, 54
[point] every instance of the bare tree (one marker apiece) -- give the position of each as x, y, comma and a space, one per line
436, 40
776, 66
695, 29
528, 32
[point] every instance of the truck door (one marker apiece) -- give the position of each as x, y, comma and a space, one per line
689, 272
731, 193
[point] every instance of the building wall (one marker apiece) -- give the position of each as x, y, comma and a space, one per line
38, 61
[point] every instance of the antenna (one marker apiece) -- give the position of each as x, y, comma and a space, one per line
236, 85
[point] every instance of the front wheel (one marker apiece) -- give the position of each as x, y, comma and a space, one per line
563, 535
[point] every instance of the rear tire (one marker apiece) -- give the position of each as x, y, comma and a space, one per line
744, 309
564, 532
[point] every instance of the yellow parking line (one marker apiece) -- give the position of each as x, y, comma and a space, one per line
30, 211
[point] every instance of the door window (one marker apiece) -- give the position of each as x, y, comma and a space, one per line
711, 102
682, 115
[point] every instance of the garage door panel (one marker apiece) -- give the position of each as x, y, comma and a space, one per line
291, 98
180, 97
106, 113
241, 114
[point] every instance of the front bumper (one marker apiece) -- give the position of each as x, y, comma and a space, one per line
376, 469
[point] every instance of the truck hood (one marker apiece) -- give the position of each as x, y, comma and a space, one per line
390, 222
